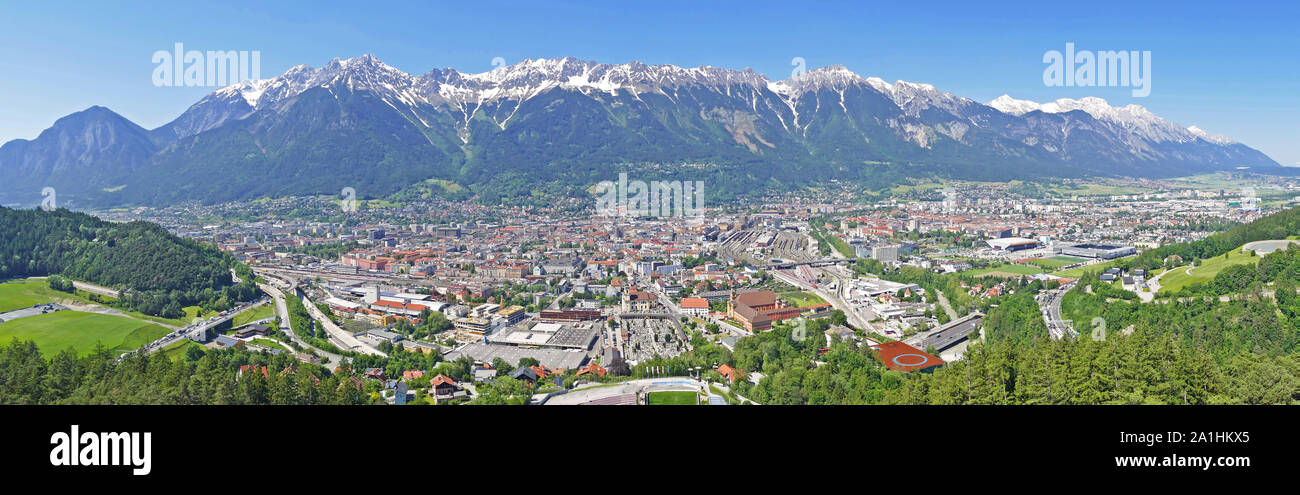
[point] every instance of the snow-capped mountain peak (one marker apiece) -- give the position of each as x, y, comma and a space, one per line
1134, 118
1007, 104
1213, 138
249, 91
910, 96
528, 78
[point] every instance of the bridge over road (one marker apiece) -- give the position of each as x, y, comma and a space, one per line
199, 328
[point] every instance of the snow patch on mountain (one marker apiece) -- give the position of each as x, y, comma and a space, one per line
1134, 118
1213, 138
1007, 104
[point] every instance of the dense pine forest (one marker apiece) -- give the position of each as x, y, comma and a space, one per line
211, 377
1141, 368
1012, 366
158, 272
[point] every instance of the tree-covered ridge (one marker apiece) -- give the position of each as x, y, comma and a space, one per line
1278, 267
1276, 226
201, 378
158, 272
1250, 322
1142, 368
1017, 317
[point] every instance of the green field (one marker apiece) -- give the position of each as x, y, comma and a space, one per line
802, 299
54, 332
263, 311
1093, 189
1180, 277
24, 293
1050, 263
910, 188
672, 398
1004, 271
177, 349
1217, 180
191, 312
270, 344
1078, 272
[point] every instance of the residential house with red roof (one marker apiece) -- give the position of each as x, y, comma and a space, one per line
731, 374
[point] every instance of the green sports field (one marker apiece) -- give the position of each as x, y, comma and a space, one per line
672, 398
1050, 263
56, 331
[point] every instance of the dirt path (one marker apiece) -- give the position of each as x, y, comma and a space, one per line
104, 310
947, 307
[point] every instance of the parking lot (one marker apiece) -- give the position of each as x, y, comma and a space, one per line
32, 311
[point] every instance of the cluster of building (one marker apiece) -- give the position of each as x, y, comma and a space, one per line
520, 282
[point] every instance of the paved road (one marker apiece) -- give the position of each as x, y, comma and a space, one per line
89, 287
202, 326
38, 309
668, 303
1154, 284
855, 319
340, 337
945, 336
1051, 301
282, 310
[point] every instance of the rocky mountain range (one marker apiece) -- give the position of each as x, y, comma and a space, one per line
569, 123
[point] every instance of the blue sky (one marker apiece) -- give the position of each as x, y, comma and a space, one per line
1230, 69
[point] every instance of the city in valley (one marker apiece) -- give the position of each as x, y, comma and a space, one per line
570, 307
378, 219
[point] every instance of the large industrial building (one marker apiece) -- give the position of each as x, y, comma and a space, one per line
567, 336
1012, 244
758, 309
1099, 251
